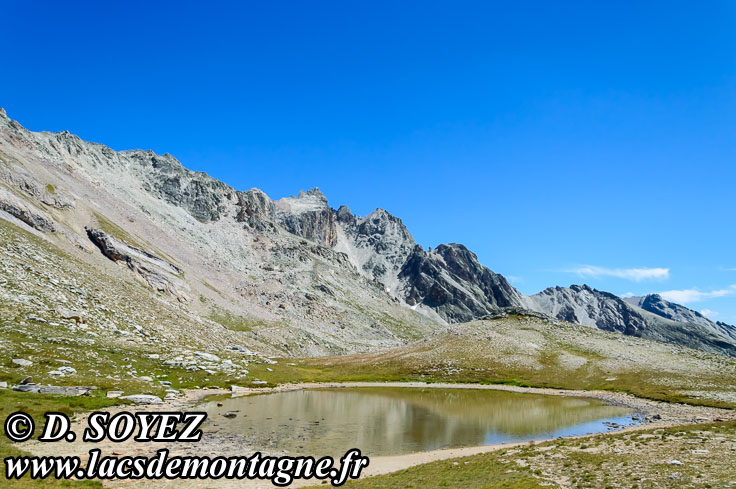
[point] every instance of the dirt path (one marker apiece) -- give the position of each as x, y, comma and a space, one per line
657, 414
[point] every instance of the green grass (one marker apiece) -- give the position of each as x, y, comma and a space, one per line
480, 472
213, 289
450, 358
233, 322
50, 189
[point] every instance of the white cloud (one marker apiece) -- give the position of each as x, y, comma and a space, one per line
627, 295
693, 295
514, 279
635, 274
709, 313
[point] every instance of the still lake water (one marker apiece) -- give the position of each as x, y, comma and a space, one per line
400, 420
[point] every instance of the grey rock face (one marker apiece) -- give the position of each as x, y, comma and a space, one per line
309, 216
317, 226
52, 389
452, 281
202, 196
256, 210
381, 241
655, 304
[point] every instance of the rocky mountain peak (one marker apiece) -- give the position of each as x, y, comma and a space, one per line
344, 215
313, 193
451, 281
378, 244
306, 201
308, 215
3, 114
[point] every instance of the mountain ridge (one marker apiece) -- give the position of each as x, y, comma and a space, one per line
315, 268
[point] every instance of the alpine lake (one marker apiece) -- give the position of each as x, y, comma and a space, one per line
400, 420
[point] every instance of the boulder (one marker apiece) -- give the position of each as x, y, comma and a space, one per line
207, 356
143, 399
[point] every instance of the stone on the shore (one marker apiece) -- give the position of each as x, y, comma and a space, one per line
143, 399
114, 394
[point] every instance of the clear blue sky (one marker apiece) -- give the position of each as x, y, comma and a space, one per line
546, 136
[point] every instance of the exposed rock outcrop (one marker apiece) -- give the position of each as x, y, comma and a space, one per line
256, 209
202, 196
309, 216
153, 270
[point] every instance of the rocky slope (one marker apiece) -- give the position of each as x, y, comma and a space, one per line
648, 317
154, 200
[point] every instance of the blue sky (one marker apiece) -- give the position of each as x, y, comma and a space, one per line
563, 142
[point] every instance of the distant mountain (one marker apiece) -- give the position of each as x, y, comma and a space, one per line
648, 317
655, 304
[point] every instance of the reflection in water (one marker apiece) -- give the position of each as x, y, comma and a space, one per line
391, 420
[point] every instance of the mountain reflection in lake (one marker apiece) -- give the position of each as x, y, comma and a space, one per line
399, 420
